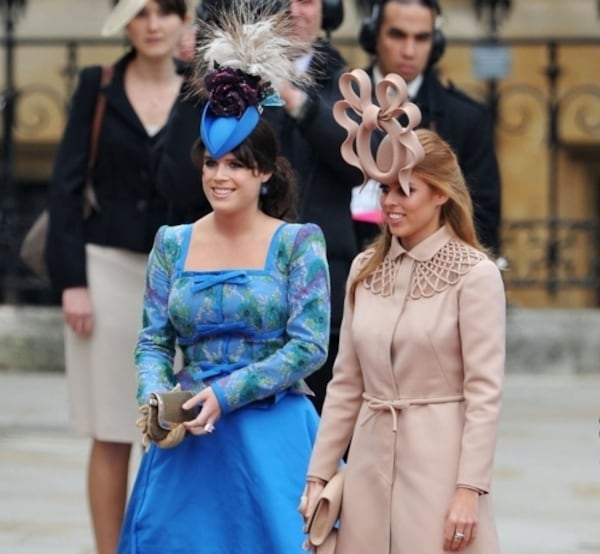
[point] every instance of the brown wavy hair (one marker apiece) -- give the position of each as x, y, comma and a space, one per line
260, 151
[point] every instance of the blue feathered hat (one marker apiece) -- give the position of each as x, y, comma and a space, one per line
235, 100
222, 134
243, 55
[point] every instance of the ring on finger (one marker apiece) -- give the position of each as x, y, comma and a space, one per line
209, 428
459, 535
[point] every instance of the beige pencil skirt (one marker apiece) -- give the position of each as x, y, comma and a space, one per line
101, 374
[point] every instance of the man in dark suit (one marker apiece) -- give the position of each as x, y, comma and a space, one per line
311, 140
405, 38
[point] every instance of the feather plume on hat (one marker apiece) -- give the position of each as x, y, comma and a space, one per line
243, 55
250, 39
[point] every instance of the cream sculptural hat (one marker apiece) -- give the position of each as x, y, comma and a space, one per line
393, 114
121, 15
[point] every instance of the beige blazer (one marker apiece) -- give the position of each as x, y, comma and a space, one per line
417, 386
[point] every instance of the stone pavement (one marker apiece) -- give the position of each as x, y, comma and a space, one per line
546, 490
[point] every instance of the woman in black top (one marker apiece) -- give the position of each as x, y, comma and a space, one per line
98, 262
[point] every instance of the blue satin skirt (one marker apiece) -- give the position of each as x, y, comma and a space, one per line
235, 491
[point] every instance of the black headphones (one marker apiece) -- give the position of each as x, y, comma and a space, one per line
333, 14
370, 28
332, 10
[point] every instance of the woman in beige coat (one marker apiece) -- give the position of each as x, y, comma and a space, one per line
417, 382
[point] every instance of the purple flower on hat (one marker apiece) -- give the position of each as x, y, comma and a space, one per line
231, 91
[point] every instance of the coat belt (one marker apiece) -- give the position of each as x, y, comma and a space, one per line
394, 406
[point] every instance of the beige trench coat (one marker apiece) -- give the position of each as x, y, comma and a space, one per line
417, 385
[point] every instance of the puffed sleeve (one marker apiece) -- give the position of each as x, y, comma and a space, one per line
155, 350
307, 329
482, 324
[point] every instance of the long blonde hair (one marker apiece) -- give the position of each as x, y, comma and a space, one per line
440, 170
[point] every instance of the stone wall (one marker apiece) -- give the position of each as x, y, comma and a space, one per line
31, 338
553, 341
538, 341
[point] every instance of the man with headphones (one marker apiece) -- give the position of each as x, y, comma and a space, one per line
309, 138
405, 38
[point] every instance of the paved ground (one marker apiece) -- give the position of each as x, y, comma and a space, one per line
547, 486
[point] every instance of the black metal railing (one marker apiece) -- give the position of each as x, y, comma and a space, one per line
553, 257
28, 111
555, 253
562, 253
553, 245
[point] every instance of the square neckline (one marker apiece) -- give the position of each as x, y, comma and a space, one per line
185, 247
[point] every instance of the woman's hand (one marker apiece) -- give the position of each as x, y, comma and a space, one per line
293, 97
209, 413
460, 528
77, 310
308, 501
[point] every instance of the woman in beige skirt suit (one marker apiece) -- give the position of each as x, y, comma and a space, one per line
98, 262
416, 387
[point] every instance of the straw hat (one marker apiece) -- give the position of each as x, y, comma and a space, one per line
121, 15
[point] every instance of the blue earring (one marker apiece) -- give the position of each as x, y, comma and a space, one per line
264, 189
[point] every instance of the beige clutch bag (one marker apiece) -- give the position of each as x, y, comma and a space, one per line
321, 529
166, 412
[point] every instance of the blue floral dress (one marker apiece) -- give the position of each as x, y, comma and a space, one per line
252, 335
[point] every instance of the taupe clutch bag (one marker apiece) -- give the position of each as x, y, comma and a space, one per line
321, 529
166, 412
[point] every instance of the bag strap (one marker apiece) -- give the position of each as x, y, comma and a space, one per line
90, 202
105, 79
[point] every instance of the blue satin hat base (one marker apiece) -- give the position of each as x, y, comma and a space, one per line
221, 134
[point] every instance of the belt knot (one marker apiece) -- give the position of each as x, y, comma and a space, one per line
397, 405
393, 406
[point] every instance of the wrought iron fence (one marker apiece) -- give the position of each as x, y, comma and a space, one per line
553, 246
561, 253
553, 259
550, 262
28, 110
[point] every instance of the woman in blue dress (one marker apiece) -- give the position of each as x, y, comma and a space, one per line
245, 295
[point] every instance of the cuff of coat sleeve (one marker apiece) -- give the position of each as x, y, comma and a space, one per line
472, 488
225, 407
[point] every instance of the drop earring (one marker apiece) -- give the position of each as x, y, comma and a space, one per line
264, 189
